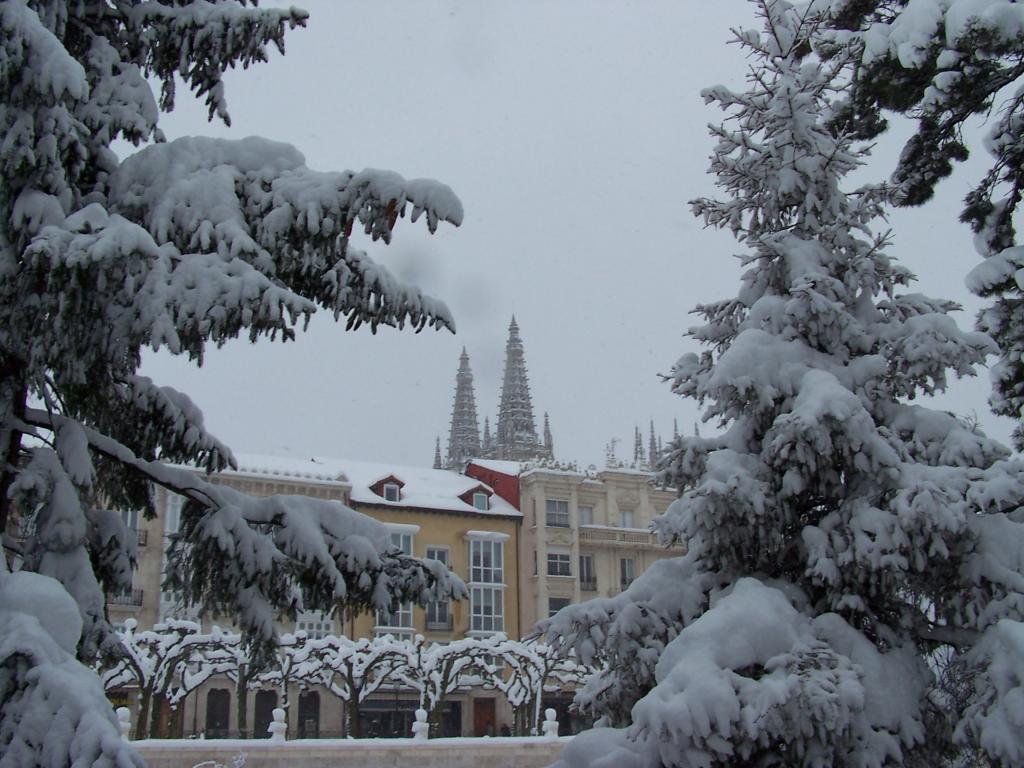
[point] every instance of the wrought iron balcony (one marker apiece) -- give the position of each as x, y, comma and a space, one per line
129, 597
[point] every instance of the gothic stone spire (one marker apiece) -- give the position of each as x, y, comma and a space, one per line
464, 437
516, 437
437, 454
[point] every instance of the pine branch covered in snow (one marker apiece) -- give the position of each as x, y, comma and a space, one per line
946, 64
52, 708
839, 539
183, 244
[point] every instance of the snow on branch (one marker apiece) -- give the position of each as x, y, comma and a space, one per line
52, 709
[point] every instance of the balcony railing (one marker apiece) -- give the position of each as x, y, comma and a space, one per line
129, 597
588, 585
439, 624
624, 537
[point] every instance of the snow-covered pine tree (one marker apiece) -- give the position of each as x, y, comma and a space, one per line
943, 64
183, 244
840, 538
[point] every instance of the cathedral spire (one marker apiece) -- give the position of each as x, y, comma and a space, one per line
516, 437
437, 454
464, 437
652, 448
487, 435
549, 442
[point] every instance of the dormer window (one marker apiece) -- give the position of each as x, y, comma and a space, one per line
478, 497
388, 488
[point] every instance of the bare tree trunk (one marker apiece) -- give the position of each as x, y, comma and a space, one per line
142, 722
355, 728
242, 706
155, 729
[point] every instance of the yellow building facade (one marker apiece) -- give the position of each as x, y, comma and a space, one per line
430, 514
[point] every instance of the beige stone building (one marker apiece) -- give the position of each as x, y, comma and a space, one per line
585, 535
431, 513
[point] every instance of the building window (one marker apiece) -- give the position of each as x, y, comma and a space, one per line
391, 492
626, 518
130, 518
403, 541
485, 561
315, 625
588, 579
487, 590
481, 501
557, 513
586, 515
172, 517
487, 609
439, 615
399, 623
627, 571
559, 564
555, 604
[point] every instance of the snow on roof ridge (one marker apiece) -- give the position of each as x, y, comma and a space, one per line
424, 487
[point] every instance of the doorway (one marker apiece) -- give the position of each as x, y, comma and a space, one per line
218, 707
309, 715
484, 717
266, 701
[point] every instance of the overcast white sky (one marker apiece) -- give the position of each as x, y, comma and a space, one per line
574, 134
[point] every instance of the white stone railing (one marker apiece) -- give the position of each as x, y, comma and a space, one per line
497, 752
628, 536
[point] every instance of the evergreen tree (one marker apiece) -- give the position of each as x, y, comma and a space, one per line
841, 540
944, 63
183, 244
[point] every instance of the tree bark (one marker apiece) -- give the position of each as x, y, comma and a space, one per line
355, 728
142, 722
242, 706
10, 438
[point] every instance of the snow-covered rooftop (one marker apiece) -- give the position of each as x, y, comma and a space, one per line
422, 488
